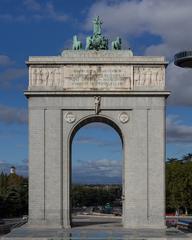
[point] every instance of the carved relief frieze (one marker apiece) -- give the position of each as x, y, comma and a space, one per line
82, 77
149, 77
97, 77
45, 77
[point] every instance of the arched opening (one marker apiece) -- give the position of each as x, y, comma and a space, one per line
96, 185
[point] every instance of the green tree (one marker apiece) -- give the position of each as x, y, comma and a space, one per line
13, 195
179, 184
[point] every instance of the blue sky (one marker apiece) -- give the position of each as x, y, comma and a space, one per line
97, 154
46, 27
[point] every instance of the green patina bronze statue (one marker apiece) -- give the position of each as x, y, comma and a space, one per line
97, 41
77, 45
116, 45
97, 26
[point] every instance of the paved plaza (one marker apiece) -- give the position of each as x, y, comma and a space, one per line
91, 227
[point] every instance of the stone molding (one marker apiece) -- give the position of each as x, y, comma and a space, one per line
93, 93
93, 57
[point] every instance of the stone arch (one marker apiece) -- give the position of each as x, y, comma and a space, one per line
136, 112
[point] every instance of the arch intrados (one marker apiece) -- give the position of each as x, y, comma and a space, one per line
92, 119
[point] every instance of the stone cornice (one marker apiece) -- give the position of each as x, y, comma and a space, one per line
97, 57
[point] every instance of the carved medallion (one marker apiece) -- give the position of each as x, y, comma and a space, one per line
69, 117
123, 117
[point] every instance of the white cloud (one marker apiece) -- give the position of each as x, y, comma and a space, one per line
162, 49
5, 60
52, 13
41, 11
6, 17
99, 142
32, 5
12, 18
179, 81
171, 20
178, 132
11, 74
10, 115
98, 171
35, 10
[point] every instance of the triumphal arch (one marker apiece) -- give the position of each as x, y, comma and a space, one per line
97, 84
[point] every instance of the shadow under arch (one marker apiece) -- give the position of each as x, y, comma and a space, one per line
81, 123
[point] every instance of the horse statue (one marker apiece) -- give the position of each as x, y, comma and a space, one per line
77, 45
89, 43
116, 45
